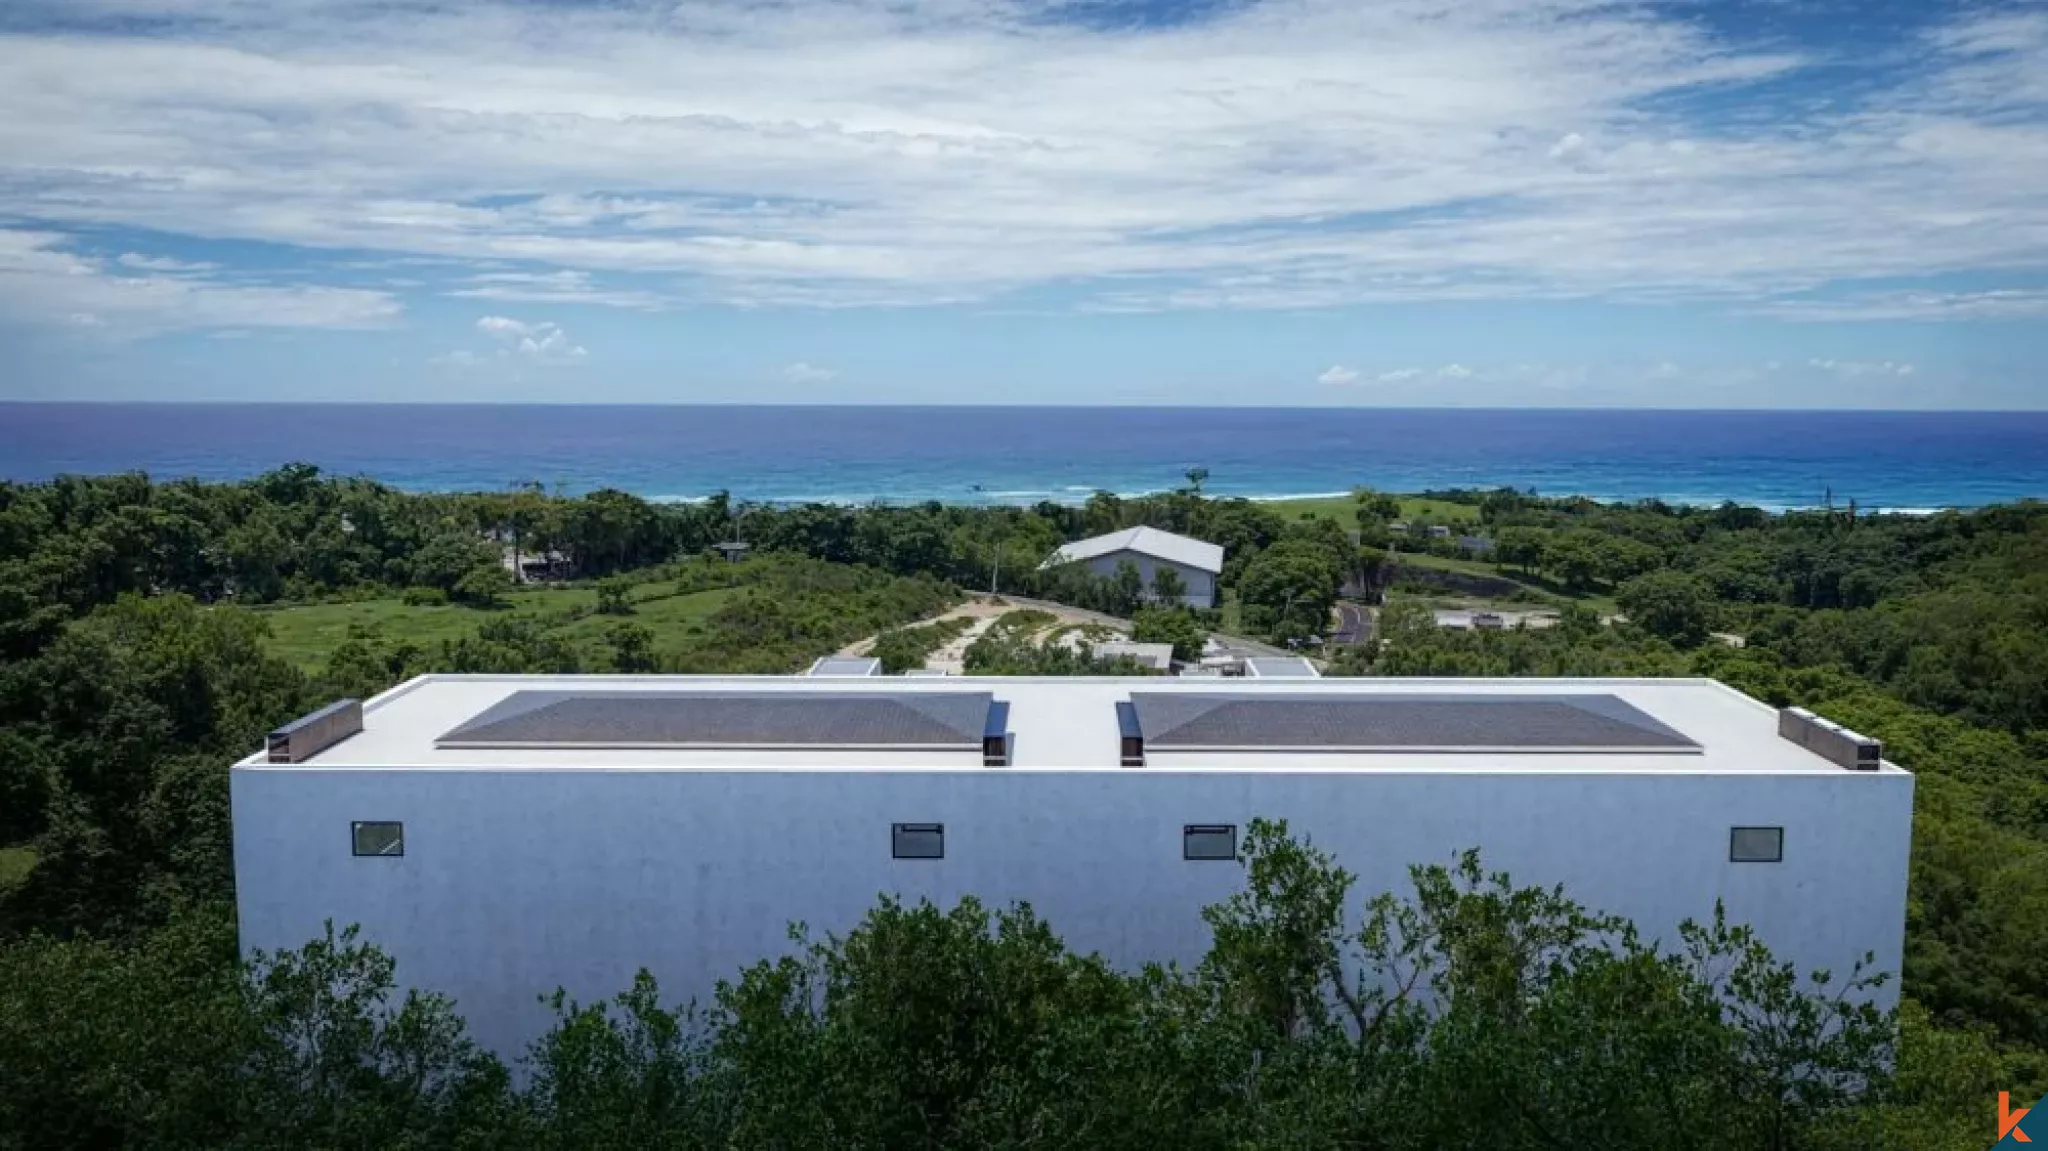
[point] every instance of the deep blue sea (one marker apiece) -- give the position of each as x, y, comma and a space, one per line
1897, 460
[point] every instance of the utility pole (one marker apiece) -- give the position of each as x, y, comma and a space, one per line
996, 573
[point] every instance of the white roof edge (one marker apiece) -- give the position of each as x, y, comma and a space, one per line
409, 705
1443, 680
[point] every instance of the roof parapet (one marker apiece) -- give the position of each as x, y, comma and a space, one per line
313, 733
1829, 740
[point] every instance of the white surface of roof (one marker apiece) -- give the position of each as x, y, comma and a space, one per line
1071, 724
1197, 554
846, 665
1280, 667
1154, 655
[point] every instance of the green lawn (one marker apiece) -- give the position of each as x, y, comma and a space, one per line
1343, 509
669, 617
15, 863
307, 634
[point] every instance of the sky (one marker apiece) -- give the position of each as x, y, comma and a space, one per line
1575, 203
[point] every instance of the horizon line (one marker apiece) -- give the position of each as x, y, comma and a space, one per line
318, 403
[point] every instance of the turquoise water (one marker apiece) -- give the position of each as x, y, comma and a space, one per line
1901, 460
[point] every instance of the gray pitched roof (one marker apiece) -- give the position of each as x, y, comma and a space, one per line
1190, 720
1198, 554
931, 720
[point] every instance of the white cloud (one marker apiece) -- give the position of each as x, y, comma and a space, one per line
1399, 375
1993, 304
854, 152
560, 287
1338, 376
160, 263
42, 278
802, 373
544, 340
1855, 368
1573, 151
1454, 371
502, 326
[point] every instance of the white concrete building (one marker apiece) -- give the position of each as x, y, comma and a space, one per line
501, 836
1196, 562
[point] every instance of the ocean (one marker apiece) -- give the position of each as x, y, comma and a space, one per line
1893, 460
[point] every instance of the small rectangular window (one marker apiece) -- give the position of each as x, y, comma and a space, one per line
917, 840
378, 838
1756, 845
1209, 841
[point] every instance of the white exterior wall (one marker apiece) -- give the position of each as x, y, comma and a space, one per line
1201, 585
514, 882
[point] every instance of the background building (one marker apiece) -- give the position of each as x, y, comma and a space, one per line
1196, 562
503, 836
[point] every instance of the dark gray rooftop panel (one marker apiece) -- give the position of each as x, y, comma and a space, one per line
1196, 720
928, 720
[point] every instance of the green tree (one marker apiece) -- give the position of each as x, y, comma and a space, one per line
484, 586
174, 1043
631, 649
615, 596
1287, 591
448, 557
1167, 586
1522, 547
1374, 507
1177, 626
1675, 605
1126, 589
1578, 558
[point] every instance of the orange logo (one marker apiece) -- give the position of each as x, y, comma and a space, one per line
2009, 1120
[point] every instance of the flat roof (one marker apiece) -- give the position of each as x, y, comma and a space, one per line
1280, 667
1660, 726
1153, 655
846, 665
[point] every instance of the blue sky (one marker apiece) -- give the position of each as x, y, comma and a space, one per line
1765, 203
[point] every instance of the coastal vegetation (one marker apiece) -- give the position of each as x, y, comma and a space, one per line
150, 633
1464, 1011
901, 649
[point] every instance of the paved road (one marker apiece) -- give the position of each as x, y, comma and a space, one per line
1354, 624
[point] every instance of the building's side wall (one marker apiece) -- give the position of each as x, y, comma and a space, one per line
515, 882
1201, 585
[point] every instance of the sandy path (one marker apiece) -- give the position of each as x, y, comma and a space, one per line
951, 658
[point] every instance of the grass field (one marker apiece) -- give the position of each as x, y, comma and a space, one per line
1539, 589
307, 634
1343, 508
669, 617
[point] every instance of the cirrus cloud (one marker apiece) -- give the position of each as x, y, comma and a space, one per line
1275, 154
44, 277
